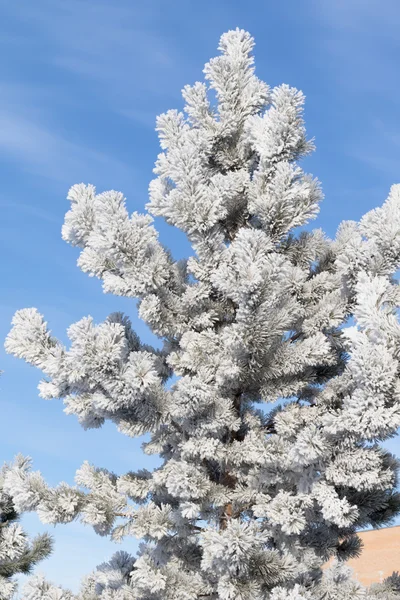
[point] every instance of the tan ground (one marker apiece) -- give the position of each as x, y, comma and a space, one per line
380, 557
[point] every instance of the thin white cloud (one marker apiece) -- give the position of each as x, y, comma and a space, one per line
145, 118
379, 149
362, 40
358, 56
42, 151
358, 15
122, 48
28, 209
101, 54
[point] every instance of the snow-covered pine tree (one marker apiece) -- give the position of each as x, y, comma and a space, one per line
17, 553
270, 432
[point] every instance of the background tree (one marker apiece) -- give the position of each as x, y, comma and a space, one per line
270, 431
17, 553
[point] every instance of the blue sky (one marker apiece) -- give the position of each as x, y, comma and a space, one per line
81, 83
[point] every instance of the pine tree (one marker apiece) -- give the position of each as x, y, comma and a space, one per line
17, 553
284, 347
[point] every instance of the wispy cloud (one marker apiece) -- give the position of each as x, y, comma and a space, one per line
145, 118
358, 59
362, 39
35, 137
44, 152
122, 49
111, 60
379, 148
28, 209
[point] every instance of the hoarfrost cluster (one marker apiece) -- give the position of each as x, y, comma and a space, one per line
18, 554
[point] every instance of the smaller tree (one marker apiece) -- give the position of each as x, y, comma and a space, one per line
109, 581
389, 589
17, 553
